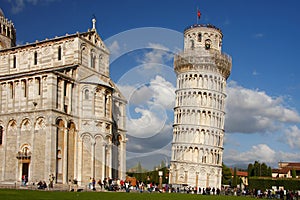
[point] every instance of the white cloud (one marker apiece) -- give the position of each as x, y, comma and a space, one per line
150, 122
261, 153
19, 5
159, 54
158, 46
136, 95
258, 35
153, 100
158, 91
231, 141
163, 92
253, 111
287, 156
292, 137
126, 90
146, 146
156, 56
114, 48
255, 73
141, 95
136, 147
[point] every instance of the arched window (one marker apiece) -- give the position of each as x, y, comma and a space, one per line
15, 62
203, 159
35, 58
8, 32
207, 44
199, 37
82, 53
105, 104
24, 86
38, 83
25, 151
86, 94
192, 44
100, 60
59, 53
12, 90
1, 135
93, 60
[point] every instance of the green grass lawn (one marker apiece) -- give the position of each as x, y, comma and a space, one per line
7, 194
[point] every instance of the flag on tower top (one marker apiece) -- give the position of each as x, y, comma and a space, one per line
198, 13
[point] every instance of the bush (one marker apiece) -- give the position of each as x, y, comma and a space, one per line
267, 183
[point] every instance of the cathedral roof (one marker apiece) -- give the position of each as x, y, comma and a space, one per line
95, 80
84, 35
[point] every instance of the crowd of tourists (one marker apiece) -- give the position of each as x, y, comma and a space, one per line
41, 184
139, 186
274, 194
109, 184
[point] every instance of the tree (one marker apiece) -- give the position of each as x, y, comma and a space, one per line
162, 164
250, 170
256, 167
226, 175
139, 171
294, 173
234, 181
263, 170
269, 171
139, 168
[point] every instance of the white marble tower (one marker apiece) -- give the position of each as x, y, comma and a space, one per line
202, 70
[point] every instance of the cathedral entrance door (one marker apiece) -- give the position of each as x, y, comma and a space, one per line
25, 167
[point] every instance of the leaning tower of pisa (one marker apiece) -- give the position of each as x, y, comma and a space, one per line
202, 70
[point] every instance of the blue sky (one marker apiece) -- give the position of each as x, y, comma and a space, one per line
263, 103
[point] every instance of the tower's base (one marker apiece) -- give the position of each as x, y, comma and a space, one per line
195, 175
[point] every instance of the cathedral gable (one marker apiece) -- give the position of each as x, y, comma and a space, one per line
94, 38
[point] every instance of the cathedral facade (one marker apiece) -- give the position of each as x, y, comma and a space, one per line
61, 113
198, 131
